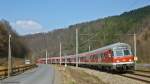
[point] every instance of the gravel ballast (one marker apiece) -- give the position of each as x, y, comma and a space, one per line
110, 78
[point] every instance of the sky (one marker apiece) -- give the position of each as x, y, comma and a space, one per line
34, 16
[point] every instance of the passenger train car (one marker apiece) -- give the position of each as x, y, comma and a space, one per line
116, 56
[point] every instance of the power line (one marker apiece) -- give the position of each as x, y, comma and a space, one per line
89, 39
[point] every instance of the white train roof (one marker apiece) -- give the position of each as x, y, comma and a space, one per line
111, 47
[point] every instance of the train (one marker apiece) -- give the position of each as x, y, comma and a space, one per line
114, 57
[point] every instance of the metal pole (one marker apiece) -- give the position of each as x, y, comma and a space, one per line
46, 57
46, 47
76, 47
134, 44
104, 39
66, 61
9, 57
89, 44
135, 57
32, 58
60, 53
89, 48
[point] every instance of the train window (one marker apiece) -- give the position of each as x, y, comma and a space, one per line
99, 55
95, 56
119, 53
112, 53
102, 55
126, 52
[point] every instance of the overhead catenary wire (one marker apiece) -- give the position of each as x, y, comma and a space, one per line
89, 39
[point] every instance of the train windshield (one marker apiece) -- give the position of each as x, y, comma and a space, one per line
127, 52
119, 53
122, 52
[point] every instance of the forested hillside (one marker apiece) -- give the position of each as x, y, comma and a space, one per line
100, 32
17, 46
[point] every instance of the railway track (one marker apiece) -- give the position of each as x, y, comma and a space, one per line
142, 71
138, 75
144, 77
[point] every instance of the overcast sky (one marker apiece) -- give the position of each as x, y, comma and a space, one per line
32, 16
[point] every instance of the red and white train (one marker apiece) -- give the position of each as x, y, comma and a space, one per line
117, 56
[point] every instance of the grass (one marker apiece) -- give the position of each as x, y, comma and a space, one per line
76, 76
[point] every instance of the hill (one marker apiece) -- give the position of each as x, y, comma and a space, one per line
101, 32
17, 46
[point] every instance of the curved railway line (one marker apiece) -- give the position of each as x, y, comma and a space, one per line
117, 57
137, 75
142, 71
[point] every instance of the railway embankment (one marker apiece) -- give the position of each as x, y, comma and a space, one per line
143, 67
73, 75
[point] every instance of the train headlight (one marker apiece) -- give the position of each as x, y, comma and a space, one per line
135, 58
117, 61
130, 60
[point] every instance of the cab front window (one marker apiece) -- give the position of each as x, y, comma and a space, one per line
126, 52
119, 53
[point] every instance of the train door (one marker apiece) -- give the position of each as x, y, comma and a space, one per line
108, 56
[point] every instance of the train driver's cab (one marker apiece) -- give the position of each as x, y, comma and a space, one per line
122, 51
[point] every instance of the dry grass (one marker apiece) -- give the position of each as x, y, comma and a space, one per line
76, 76
15, 61
2, 68
143, 68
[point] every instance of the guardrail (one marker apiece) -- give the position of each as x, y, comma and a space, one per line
16, 70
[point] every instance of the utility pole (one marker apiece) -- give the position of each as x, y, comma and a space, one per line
104, 37
89, 43
89, 48
9, 57
46, 47
76, 47
66, 61
134, 44
135, 57
60, 53
46, 57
